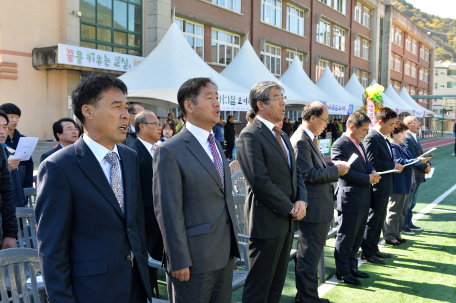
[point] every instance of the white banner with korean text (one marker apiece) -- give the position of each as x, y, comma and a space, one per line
234, 101
339, 108
95, 58
419, 113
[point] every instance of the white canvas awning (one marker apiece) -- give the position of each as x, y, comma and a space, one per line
406, 97
397, 101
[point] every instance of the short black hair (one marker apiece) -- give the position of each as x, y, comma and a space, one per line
57, 127
4, 115
229, 117
250, 114
191, 89
385, 114
90, 90
170, 114
358, 119
10, 109
315, 108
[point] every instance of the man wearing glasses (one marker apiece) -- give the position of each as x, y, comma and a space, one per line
133, 110
66, 132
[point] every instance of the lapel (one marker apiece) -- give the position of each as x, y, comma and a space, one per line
267, 133
91, 167
58, 147
416, 143
290, 149
353, 147
226, 166
200, 154
385, 144
315, 149
143, 151
126, 167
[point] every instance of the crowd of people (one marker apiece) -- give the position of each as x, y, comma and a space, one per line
123, 186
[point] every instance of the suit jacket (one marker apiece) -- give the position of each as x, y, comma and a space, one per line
272, 185
8, 223
193, 209
414, 148
379, 156
84, 239
403, 181
50, 152
146, 172
318, 176
354, 192
229, 132
28, 165
130, 138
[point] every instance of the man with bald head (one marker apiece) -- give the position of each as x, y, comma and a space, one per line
414, 147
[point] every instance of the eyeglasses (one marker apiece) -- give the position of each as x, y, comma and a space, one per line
277, 99
326, 121
157, 123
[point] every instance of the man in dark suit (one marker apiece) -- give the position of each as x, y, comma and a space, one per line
133, 110
148, 132
229, 137
318, 176
379, 155
194, 203
414, 147
275, 194
90, 215
66, 132
354, 196
334, 131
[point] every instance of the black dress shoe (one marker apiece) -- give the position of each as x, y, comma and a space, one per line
373, 259
397, 243
297, 298
358, 274
348, 279
402, 240
382, 255
324, 301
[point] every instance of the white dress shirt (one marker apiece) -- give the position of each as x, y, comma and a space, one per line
309, 133
271, 125
386, 139
132, 129
413, 135
201, 135
99, 151
148, 146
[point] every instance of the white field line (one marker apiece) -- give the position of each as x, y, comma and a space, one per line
331, 283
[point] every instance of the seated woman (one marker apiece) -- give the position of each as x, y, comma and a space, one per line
403, 184
168, 130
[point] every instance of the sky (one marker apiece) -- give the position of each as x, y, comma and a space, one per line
442, 8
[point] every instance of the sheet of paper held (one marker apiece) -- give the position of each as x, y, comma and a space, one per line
431, 150
411, 163
429, 175
387, 171
25, 148
352, 159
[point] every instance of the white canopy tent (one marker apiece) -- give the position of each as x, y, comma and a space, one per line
397, 101
246, 70
406, 97
296, 78
387, 102
157, 79
329, 84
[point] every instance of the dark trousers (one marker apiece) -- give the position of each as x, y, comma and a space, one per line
312, 239
229, 149
348, 240
268, 260
138, 293
155, 249
374, 226
214, 286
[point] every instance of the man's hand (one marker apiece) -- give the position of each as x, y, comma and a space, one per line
428, 168
399, 167
8, 242
182, 274
13, 163
299, 210
374, 178
342, 167
424, 159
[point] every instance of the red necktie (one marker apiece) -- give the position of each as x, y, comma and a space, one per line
316, 142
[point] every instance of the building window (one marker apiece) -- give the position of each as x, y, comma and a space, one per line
271, 57
422, 52
426, 76
452, 72
398, 37
358, 47
397, 63
365, 80
358, 13
436, 86
339, 38
412, 90
339, 73
114, 26
414, 47
290, 56
450, 85
421, 74
225, 114
358, 75
366, 17
340, 6
413, 70
234, 5
271, 12
194, 33
407, 68
426, 54
321, 66
366, 50
397, 86
408, 44
295, 20
224, 47
324, 33
324, 1
436, 72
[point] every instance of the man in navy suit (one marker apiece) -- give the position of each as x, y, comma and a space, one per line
66, 132
90, 214
354, 197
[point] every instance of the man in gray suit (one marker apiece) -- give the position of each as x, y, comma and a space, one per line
318, 176
194, 204
275, 194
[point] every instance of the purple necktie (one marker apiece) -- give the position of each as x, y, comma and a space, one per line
217, 159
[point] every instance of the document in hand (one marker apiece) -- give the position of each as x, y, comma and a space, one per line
25, 148
411, 163
387, 171
431, 150
429, 175
352, 159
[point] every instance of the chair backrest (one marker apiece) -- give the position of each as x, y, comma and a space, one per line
16, 266
234, 166
30, 196
26, 222
239, 202
238, 183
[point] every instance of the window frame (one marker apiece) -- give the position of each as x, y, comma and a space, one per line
408, 44
327, 32
342, 4
339, 74
355, 48
264, 4
299, 18
227, 44
407, 68
216, 2
421, 74
415, 47
321, 68
398, 37
194, 35
413, 70
358, 13
397, 63
264, 55
366, 15
366, 54
289, 60
398, 87
340, 36
365, 80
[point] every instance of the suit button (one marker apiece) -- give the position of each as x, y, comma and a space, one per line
128, 230
129, 258
228, 221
